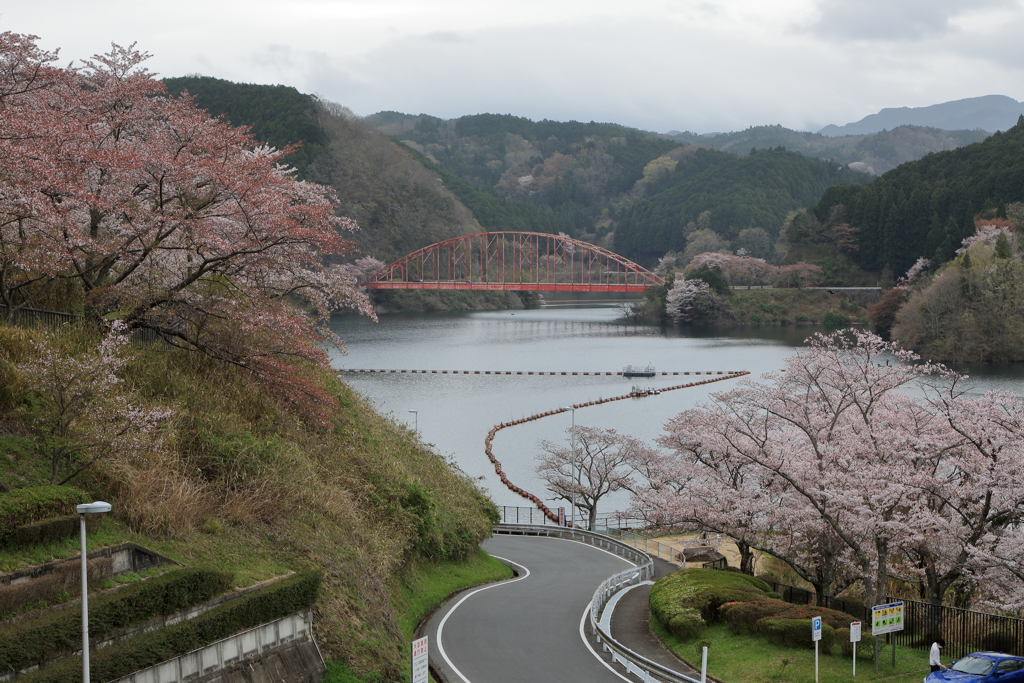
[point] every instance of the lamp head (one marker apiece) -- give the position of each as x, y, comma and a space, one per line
90, 508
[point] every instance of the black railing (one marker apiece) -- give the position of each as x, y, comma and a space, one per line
965, 631
37, 317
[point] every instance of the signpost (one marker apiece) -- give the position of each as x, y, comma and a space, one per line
420, 663
886, 619
561, 516
855, 638
816, 636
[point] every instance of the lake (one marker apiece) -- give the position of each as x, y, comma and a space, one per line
455, 412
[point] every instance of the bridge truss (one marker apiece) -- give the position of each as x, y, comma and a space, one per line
522, 261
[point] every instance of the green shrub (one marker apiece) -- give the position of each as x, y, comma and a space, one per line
796, 633
25, 506
47, 530
832, 617
64, 579
743, 616
37, 639
835, 320
685, 623
865, 648
697, 593
292, 595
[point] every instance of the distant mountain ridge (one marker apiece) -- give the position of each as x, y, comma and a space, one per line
989, 113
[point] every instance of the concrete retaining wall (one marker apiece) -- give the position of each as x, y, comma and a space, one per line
282, 651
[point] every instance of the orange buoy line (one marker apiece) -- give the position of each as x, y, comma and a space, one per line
531, 497
521, 372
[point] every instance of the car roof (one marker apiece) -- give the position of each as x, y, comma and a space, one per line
994, 655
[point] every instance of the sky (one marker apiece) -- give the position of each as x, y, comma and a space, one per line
687, 65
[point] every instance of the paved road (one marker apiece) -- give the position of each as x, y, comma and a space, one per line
528, 629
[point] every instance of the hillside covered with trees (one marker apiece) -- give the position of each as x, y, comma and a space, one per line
873, 153
926, 208
754, 191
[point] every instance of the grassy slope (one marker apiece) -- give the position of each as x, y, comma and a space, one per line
249, 486
750, 659
787, 306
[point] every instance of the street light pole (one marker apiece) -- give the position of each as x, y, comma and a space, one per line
572, 440
83, 510
417, 414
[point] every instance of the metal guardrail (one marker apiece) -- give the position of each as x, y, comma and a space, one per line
633, 663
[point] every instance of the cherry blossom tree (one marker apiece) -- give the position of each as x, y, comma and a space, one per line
848, 447
166, 218
597, 462
682, 298
80, 411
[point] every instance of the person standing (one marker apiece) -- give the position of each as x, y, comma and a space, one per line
936, 653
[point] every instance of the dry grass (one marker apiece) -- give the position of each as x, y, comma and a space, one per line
247, 485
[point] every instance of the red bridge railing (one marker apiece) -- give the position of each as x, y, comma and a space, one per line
523, 261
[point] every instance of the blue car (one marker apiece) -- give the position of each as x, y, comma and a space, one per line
979, 667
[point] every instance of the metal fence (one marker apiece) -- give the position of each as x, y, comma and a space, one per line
511, 514
37, 317
965, 631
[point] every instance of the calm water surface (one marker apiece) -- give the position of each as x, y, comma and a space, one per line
455, 412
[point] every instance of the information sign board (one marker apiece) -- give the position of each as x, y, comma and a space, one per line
886, 618
420, 663
855, 632
816, 628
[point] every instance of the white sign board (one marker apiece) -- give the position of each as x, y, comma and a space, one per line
855, 632
816, 628
886, 618
420, 663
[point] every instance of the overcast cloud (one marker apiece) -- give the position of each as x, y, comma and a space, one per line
684, 65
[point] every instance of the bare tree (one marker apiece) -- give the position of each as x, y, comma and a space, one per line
597, 462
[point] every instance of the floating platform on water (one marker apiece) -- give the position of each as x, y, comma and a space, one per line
630, 371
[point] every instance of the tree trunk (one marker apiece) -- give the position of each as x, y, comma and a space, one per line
746, 558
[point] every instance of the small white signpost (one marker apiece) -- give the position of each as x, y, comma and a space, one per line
420, 663
816, 636
855, 638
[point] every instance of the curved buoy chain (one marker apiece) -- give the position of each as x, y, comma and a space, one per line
497, 428
515, 372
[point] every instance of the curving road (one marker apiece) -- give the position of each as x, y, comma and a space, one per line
529, 628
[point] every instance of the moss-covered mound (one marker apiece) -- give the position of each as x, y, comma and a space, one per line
687, 601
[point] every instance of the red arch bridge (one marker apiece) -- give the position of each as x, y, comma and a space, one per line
523, 261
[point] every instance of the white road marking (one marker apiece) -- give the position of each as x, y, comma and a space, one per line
440, 627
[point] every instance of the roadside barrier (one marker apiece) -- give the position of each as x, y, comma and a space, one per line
488, 442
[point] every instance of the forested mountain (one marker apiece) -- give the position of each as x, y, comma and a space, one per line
990, 113
399, 204
874, 153
754, 191
927, 207
576, 172
278, 114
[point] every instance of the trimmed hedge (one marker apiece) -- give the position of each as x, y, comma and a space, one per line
796, 633
686, 601
54, 529
35, 640
865, 649
152, 647
66, 577
743, 616
25, 506
832, 617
